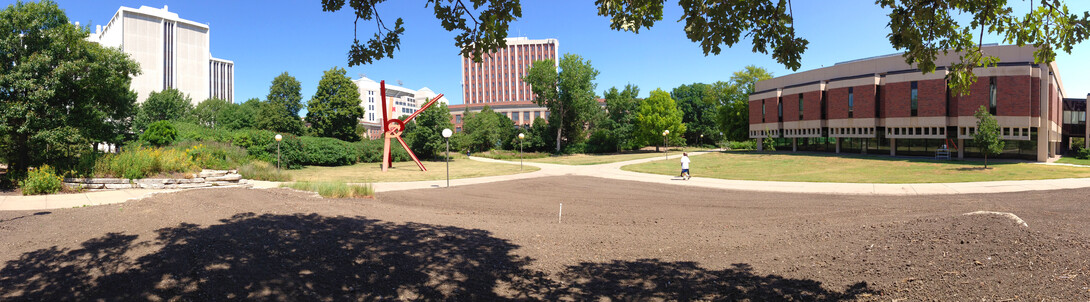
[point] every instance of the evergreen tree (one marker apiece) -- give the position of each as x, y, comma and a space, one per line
280, 113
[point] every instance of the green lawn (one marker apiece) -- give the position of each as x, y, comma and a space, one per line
1074, 161
405, 171
809, 167
595, 159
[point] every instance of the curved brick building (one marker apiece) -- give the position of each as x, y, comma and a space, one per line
883, 105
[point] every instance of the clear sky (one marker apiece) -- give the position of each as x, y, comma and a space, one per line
265, 38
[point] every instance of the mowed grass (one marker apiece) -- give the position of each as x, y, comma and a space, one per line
596, 159
1074, 161
808, 167
405, 171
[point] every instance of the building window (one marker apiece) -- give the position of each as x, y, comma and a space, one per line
458, 119
763, 111
851, 101
991, 95
779, 110
800, 107
915, 99
526, 117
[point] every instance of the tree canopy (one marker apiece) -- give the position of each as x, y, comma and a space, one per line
485, 130
335, 110
426, 136
697, 103
987, 136
922, 29
58, 91
733, 97
657, 113
280, 113
568, 94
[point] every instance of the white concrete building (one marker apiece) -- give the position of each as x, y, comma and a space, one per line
172, 52
403, 100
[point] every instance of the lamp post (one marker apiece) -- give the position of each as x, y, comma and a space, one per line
702, 139
278, 138
665, 144
446, 136
521, 137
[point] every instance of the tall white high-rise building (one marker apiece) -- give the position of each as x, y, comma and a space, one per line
172, 52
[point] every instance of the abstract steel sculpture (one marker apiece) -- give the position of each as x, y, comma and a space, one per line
393, 128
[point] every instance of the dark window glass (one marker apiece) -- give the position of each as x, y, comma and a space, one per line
851, 101
800, 106
915, 99
763, 111
991, 95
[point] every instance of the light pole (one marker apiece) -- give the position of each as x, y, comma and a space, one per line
665, 144
278, 138
702, 139
521, 137
446, 137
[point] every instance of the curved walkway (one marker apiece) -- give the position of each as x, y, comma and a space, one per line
609, 170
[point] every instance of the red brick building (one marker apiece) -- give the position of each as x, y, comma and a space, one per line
883, 105
496, 81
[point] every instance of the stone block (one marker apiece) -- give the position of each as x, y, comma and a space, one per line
228, 177
120, 186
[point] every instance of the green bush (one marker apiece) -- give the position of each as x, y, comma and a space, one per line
1083, 153
510, 155
214, 155
370, 151
325, 151
193, 132
136, 163
262, 171
261, 144
742, 145
43, 180
160, 134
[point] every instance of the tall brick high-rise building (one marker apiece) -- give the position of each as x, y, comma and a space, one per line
496, 81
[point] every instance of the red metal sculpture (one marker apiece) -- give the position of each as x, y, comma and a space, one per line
394, 127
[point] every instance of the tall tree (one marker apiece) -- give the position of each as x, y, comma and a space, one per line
922, 29
426, 138
567, 94
280, 112
621, 108
986, 136
335, 109
240, 116
733, 98
210, 112
167, 105
657, 113
698, 111
58, 91
486, 130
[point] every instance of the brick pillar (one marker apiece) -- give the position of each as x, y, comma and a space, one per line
838, 145
893, 147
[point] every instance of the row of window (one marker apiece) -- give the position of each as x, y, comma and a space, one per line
915, 131
526, 116
485, 83
851, 131
806, 131
1008, 132
914, 103
764, 133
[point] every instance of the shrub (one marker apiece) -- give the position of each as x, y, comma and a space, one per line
742, 145
334, 189
43, 180
160, 133
262, 171
370, 151
510, 155
261, 144
193, 132
1083, 153
325, 151
143, 162
214, 155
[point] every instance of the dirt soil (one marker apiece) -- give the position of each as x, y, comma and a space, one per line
616, 240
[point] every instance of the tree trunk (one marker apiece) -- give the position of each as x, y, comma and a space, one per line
985, 160
559, 130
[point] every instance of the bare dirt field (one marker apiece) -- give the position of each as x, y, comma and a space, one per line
617, 241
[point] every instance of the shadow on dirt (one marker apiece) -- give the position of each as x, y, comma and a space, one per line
312, 257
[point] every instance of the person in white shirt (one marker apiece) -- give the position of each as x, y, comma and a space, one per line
685, 166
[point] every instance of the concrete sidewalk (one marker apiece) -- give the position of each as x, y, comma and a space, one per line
60, 201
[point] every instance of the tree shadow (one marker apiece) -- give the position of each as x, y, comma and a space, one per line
313, 257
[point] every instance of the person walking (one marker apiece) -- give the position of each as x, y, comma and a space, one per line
685, 166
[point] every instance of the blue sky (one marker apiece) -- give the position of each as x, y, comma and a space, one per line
265, 38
